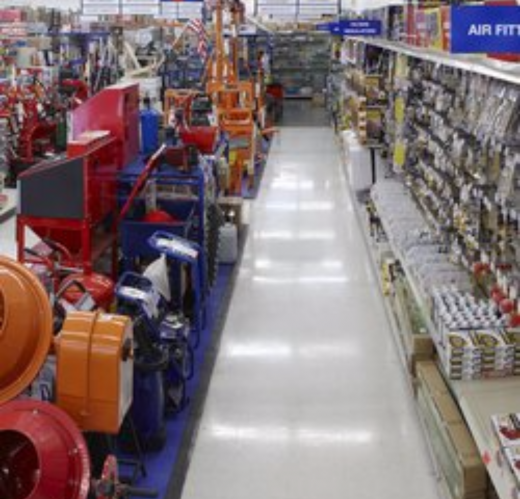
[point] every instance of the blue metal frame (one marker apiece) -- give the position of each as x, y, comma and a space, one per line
135, 233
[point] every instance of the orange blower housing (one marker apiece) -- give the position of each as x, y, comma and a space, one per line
95, 370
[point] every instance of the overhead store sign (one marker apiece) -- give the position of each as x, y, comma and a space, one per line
491, 29
169, 9
353, 27
291, 10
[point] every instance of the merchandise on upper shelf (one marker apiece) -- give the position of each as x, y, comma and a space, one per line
452, 213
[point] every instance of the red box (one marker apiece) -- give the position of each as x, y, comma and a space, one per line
116, 110
11, 16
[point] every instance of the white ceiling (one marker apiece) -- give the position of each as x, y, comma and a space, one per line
74, 4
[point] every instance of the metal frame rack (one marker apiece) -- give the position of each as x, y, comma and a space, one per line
478, 399
188, 208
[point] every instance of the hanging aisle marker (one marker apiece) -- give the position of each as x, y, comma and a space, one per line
352, 27
490, 29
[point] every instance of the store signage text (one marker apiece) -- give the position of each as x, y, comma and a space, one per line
478, 29
353, 27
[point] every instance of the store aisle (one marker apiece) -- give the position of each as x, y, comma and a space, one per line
308, 398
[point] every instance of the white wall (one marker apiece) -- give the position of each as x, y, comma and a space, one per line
367, 4
65, 4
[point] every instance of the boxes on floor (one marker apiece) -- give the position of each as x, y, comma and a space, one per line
456, 453
422, 349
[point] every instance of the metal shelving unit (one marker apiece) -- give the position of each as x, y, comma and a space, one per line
301, 63
504, 71
477, 399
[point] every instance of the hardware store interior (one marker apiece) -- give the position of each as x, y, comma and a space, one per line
266, 249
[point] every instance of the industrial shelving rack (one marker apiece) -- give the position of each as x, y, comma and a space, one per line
477, 399
301, 63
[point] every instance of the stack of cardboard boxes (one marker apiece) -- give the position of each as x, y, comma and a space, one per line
457, 455
474, 340
428, 26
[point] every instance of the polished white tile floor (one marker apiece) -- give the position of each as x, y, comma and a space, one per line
308, 398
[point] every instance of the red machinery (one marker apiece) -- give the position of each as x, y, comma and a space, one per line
73, 201
43, 454
37, 125
70, 201
38, 129
77, 90
116, 110
178, 114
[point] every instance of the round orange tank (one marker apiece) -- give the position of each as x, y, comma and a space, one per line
25, 328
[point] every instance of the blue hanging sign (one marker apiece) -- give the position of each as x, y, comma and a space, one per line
323, 27
490, 29
352, 27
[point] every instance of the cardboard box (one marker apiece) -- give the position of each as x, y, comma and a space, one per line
422, 344
454, 448
429, 375
474, 471
420, 349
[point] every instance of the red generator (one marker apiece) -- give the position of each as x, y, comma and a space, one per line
116, 110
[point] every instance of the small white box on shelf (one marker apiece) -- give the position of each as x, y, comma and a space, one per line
507, 429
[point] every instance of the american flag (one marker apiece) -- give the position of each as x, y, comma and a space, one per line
197, 26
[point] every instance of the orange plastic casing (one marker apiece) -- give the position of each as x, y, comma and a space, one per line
95, 370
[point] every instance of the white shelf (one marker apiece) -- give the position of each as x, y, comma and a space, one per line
393, 325
478, 400
505, 71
